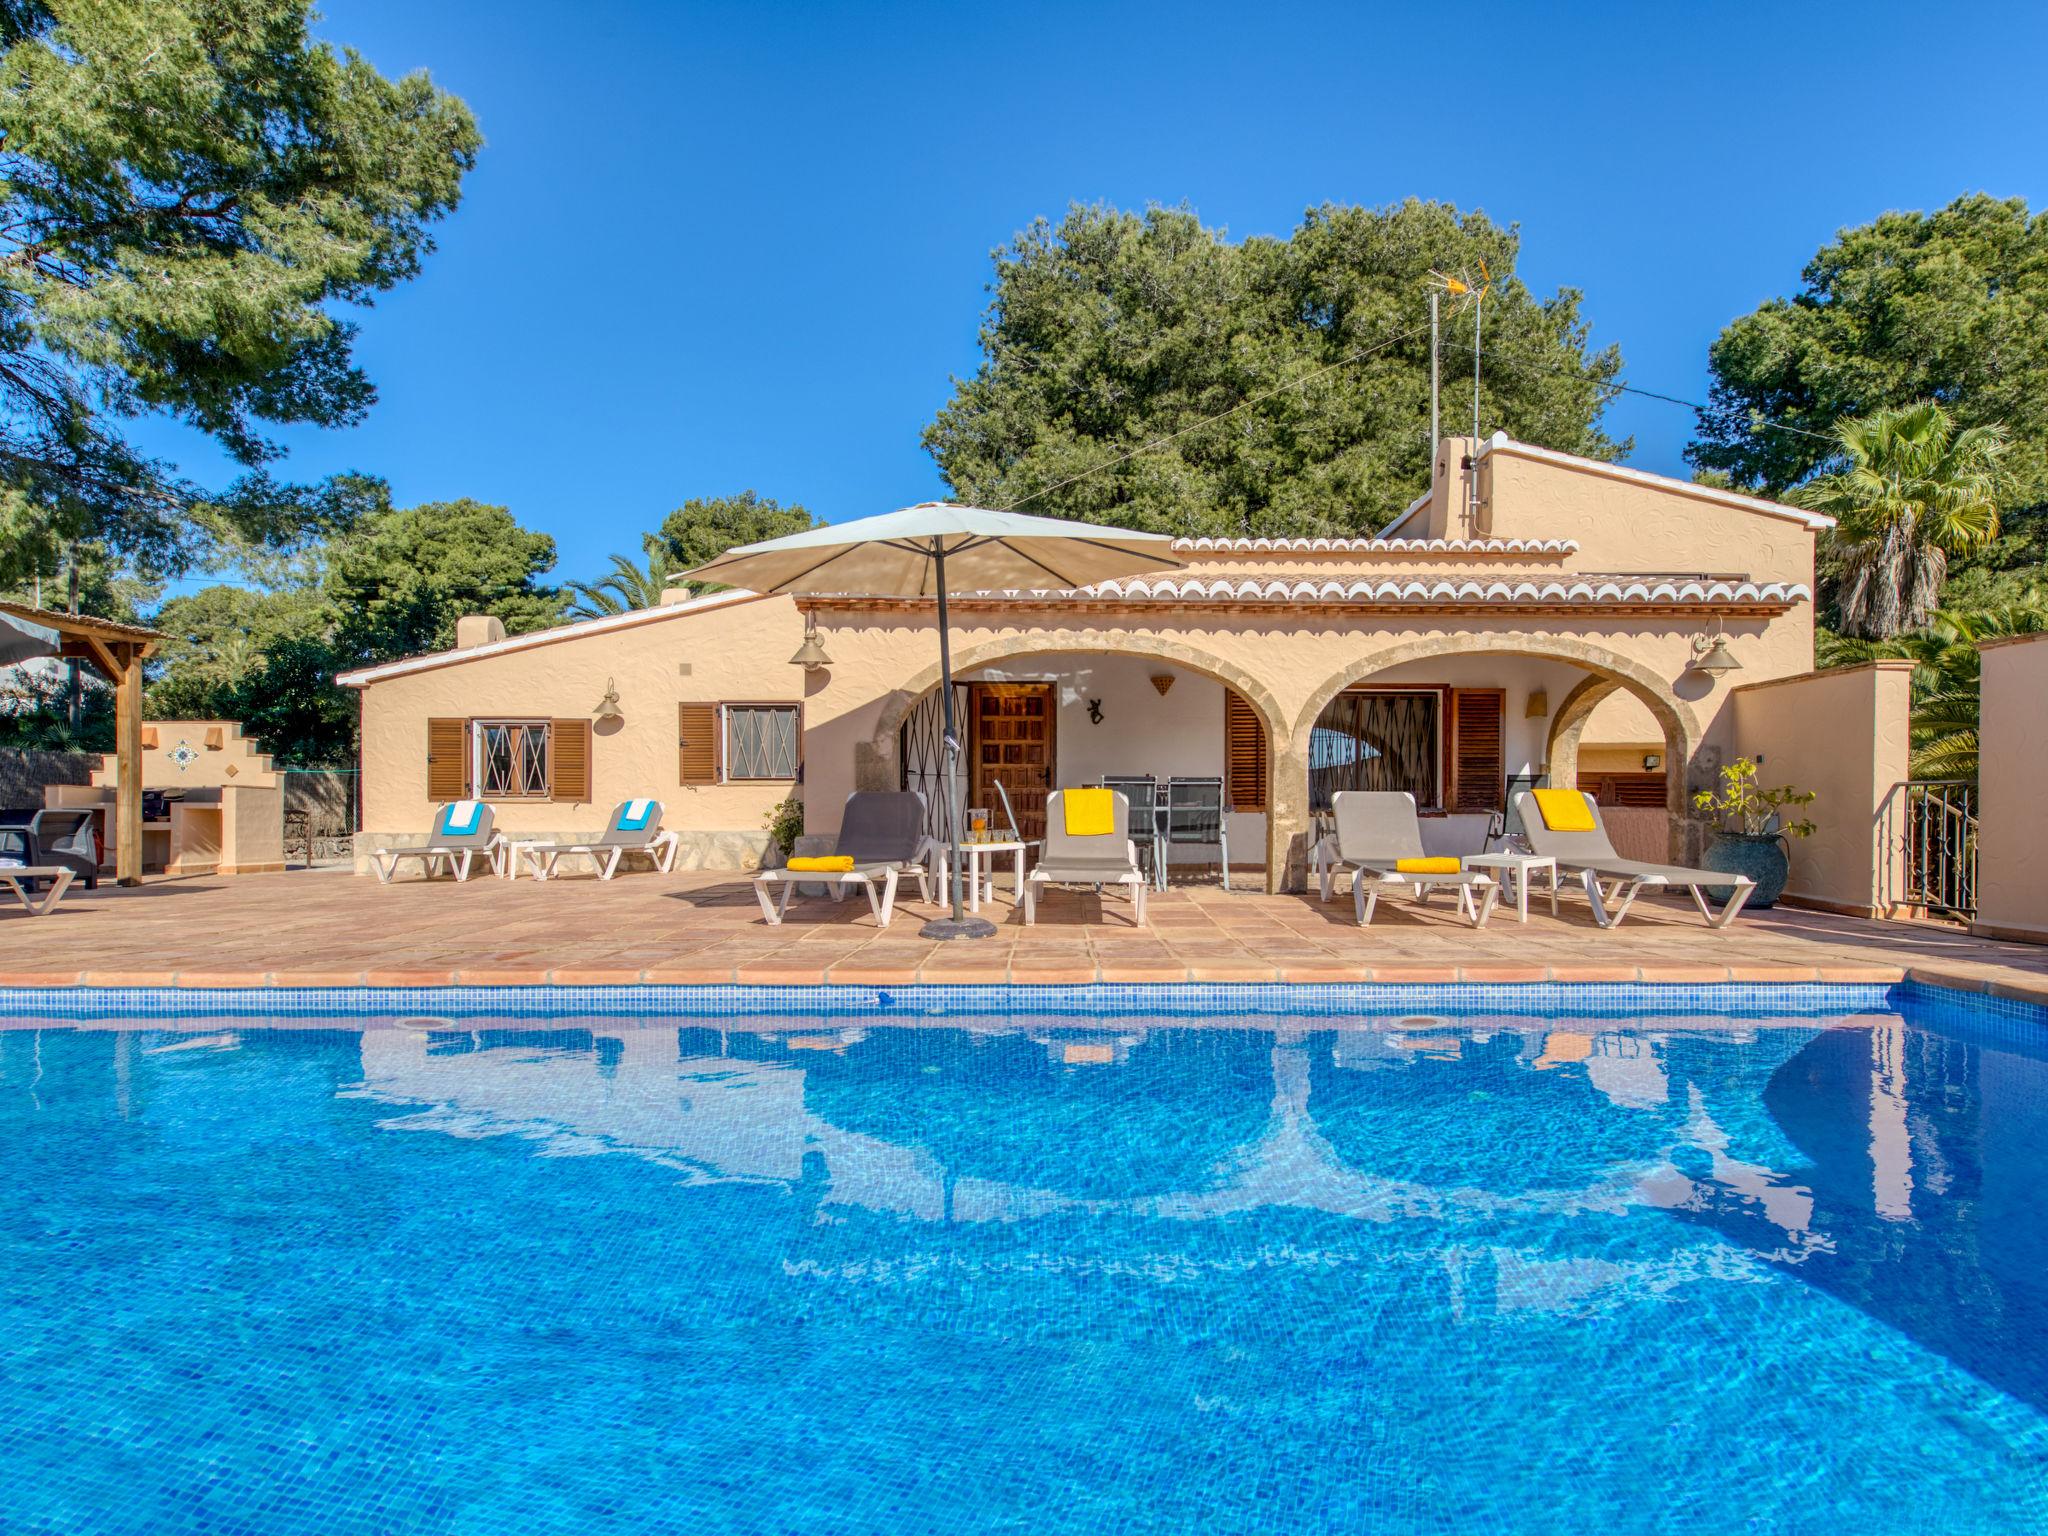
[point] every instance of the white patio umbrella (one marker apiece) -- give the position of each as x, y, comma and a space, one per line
22, 639
925, 551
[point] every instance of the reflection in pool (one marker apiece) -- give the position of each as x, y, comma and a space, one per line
1430, 1274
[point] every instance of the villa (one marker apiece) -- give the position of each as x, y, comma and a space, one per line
1532, 614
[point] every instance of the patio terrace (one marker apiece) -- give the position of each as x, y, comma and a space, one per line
326, 928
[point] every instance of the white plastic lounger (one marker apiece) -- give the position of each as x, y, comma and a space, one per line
1098, 859
635, 827
17, 876
1377, 830
462, 830
882, 831
1592, 856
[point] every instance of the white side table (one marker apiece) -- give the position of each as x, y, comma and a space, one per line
978, 867
1516, 869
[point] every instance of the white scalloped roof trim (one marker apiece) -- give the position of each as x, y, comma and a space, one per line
1378, 546
1419, 589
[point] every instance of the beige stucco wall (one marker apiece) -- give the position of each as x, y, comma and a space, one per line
1843, 734
2012, 858
738, 652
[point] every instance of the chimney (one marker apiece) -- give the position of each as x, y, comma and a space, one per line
475, 629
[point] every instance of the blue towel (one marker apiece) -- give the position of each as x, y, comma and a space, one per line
460, 819
637, 814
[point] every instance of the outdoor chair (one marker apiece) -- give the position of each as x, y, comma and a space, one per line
1505, 828
881, 839
1197, 816
635, 829
1091, 846
462, 830
25, 875
1142, 790
1565, 825
54, 838
1379, 834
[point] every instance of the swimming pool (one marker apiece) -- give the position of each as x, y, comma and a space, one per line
1087, 1271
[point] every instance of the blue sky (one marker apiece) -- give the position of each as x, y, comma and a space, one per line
718, 246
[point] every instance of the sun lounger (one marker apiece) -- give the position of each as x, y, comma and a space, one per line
635, 828
881, 839
1097, 858
1588, 853
23, 878
1378, 833
462, 830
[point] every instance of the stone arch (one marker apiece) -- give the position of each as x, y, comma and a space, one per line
1610, 671
1568, 724
876, 764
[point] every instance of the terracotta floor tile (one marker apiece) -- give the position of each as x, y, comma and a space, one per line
1398, 973
1503, 972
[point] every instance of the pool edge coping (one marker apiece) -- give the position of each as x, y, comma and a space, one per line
132, 1004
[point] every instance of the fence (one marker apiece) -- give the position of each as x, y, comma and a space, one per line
320, 815
1933, 823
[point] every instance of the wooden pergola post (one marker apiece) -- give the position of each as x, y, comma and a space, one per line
116, 652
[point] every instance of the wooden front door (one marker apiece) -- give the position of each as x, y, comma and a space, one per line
1010, 742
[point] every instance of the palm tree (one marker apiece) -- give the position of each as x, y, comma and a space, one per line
628, 586
1911, 491
1946, 675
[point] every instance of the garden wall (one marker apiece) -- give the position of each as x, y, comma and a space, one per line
1844, 734
2012, 744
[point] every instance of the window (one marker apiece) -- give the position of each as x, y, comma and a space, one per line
726, 743
1377, 740
511, 759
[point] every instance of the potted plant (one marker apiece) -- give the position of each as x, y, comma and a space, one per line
1751, 832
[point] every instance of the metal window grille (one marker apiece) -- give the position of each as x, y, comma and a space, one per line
760, 741
512, 759
1375, 741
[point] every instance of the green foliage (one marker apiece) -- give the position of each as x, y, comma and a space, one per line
1741, 806
218, 639
785, 823
2001, 573
35, 713
1947, 675
191, 191
704, 528
1950, 306
399, 583
629, 586
1114, 330
1911, 489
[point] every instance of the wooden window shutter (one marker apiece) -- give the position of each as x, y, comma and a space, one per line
1244, 753
447, 759
1478, 749
700, 749
569, 760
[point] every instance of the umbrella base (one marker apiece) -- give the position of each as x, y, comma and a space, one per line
958, 928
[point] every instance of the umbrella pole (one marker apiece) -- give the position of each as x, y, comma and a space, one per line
959, 925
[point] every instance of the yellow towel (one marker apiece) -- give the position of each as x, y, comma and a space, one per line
1090, 812
834, 864
1564, 810
1428, 866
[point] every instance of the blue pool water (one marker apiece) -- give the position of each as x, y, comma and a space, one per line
1664, 1273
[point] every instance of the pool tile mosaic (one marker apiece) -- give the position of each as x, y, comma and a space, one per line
1050, 1261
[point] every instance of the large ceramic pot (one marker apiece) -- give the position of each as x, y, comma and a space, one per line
1763, 857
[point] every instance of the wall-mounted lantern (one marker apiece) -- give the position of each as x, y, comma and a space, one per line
1539, 704
1162, 681
811, 654
1710, 655
608, 706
